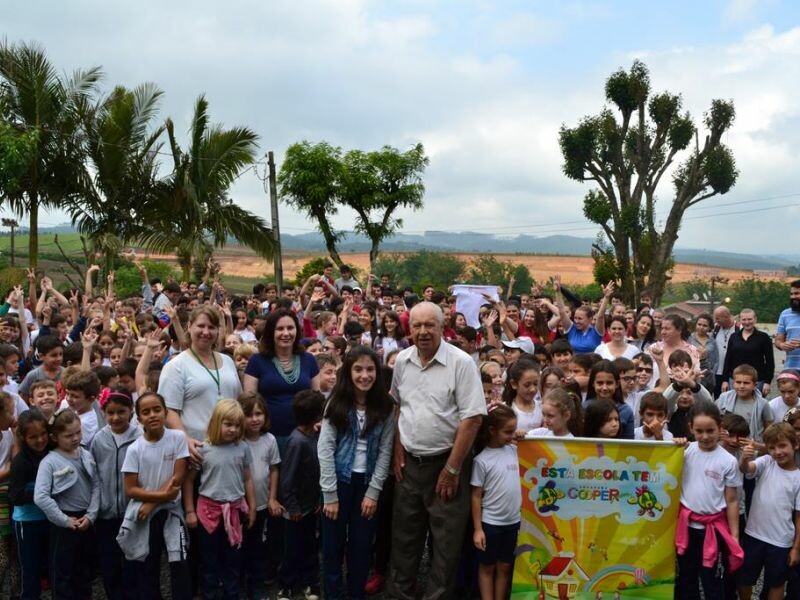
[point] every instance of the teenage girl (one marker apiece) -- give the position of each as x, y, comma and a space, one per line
154, 470
355, 451
550, 378
496, 502
67, 491
604, 385
522, 385
226, 492
30, 524
561, 415
709, 506
264, 470
109, 447
601, 420
8, 555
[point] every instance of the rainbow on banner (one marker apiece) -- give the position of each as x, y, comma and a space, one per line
598, 519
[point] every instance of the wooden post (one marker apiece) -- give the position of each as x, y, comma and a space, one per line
276, 230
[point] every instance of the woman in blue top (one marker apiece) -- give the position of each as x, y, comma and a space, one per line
281, 368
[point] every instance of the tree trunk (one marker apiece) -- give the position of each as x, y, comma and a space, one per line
373, 256
330, 238
33, 234
662, 261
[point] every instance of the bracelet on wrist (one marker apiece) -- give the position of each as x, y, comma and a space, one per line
451, 470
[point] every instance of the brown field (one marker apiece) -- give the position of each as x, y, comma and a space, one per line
573, 269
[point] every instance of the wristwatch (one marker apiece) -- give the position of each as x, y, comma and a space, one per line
451, 470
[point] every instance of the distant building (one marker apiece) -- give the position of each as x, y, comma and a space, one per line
689, 310
770, 273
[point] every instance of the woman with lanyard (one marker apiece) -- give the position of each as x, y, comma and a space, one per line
281, 368
196, 379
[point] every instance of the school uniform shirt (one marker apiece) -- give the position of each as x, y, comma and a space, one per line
705, 477
779, 408
639, 434
776, 497
545, 432
527, 420
222, 471
154, 462
265, 454
633, 400
89, 427
496, 472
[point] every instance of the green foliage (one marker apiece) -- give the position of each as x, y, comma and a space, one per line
422, 268
767, 298
128, 282
312, 267
629, 90
11, 276
720, 168
596, 207
486, 269
16, 152
605, 267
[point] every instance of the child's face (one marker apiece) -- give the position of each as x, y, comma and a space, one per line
604, 386
45, 398
744, 386
52, 360
151, 414
627, 381
363, 374
789, 390
36, 436
241, 363
542, 359
783, 453
650, 415
610, 428
561, 360
138, 351
127, 382
69, 438
391, 361
495, 372
730, 443
106, 344
488, 391
512, 355
12, 365
643, 374
578, 374
78, 401
553, 419
118, 416
705, 431
232, 341
527, 386
314, 349
327, 378
504, 435
550, 382
230, 430
115, 357
686, 398
254, 421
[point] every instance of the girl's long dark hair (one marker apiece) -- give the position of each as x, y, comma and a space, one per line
515, 373
604, 366
379, 404
596, 416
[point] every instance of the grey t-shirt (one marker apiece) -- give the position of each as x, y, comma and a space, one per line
79, 496
222, 471
32, 377
155, 461
265, 454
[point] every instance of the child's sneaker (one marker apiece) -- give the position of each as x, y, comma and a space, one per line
312, 593
284, 594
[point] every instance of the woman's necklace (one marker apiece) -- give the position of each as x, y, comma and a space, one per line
289, 370
216, 377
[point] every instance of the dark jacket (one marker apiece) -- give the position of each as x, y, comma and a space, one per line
299, 491
24, 467
755, 351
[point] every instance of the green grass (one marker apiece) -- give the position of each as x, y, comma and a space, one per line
70, 242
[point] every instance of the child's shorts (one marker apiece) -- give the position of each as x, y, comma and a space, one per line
758, 554
501, 543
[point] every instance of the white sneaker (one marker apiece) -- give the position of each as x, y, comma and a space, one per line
311, 593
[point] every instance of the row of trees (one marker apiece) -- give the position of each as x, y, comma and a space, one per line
65, 144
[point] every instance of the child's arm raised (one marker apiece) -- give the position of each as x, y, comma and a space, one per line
478, 537
746, 464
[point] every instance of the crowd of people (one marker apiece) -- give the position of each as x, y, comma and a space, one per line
241, 439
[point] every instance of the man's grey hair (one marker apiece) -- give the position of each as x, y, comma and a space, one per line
437, 311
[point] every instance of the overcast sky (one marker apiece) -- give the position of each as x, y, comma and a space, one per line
483, 85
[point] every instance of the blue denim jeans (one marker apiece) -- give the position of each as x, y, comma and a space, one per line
32, 550
349, 535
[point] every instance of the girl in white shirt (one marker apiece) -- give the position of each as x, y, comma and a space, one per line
561, 415
522, 385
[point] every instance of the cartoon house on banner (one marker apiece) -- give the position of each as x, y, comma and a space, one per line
563, 576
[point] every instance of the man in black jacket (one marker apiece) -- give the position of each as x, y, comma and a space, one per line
749, 346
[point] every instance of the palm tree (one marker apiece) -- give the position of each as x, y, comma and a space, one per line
122, 147
194, 210
40, 101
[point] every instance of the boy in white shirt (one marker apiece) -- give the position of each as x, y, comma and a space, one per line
772, 537
653, 413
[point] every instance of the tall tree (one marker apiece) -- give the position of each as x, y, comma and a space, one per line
122, 148
376, 184
194, 210
45, 104
626, 154
309, 181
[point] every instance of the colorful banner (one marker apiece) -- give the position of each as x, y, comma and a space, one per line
598, 519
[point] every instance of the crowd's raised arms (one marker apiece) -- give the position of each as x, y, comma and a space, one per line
305, 442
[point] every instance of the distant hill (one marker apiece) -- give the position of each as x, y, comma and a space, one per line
474, 242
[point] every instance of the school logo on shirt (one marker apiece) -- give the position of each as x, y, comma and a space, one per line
713, 474
169, 457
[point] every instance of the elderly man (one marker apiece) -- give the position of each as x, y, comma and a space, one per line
724, 328
440, 408
749, 346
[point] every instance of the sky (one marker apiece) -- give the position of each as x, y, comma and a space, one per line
484, 86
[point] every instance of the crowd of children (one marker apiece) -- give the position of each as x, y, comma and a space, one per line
92, 481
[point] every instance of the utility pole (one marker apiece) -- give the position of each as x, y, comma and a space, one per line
276, 230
